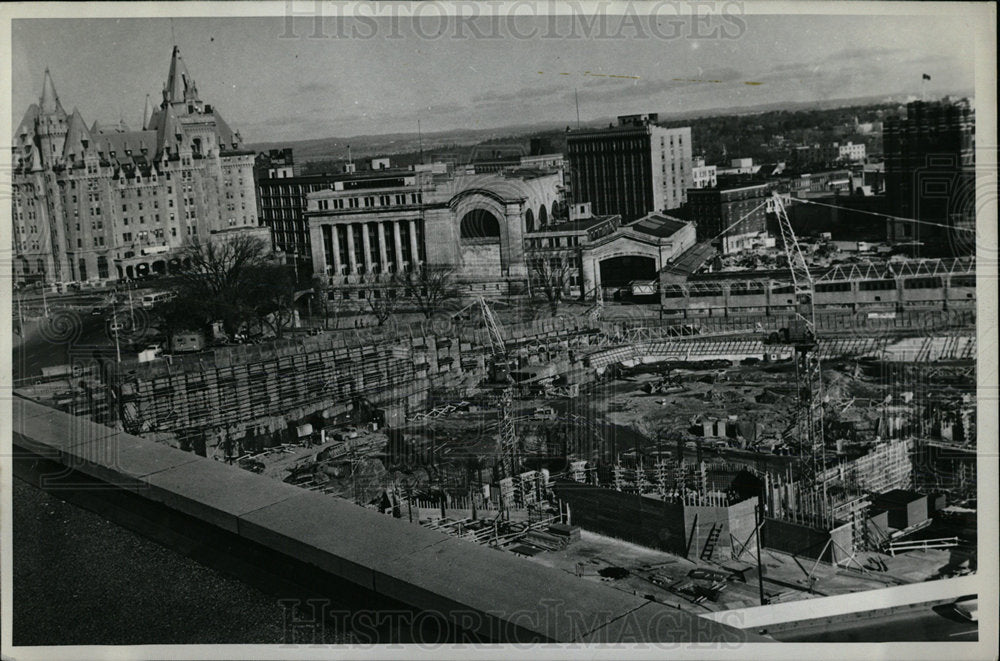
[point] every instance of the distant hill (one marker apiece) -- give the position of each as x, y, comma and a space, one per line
363, 146
398, 143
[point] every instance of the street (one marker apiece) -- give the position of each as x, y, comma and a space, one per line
64, 337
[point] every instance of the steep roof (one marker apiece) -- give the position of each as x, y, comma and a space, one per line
49, 102
126, 147
78, 138
180, 85
169, 132
27, 125
225, 136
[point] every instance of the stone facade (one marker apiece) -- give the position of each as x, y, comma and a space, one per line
105, 203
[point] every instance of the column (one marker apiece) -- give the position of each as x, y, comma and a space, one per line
398, 245
414, 252
366, 247
317, 245
383, 258
589, 280
335, 241
352, 259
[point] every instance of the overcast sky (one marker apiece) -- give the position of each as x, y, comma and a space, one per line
342, 78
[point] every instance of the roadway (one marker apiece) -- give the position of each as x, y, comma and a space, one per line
937, 623
64, 338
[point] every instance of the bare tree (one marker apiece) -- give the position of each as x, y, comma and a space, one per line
382, 299
321, 292
429, 286
273, 294
550, 273
383, 304
220, 281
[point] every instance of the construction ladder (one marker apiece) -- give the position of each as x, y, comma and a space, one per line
713, 538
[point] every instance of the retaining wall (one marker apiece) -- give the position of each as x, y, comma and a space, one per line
325, 540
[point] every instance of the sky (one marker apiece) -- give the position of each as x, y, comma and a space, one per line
278, 80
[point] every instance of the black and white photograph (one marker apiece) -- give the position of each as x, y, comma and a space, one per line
460, 329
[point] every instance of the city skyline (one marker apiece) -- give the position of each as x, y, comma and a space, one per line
278, 81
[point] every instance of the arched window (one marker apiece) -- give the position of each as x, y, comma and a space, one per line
543, 216
529, 220
480, 224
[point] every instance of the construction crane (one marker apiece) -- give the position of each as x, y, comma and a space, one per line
801, 334
500, 373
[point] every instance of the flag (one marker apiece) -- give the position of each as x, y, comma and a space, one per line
926, 77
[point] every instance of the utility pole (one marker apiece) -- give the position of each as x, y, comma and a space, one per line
131, 314
114, 322
576, 95
20, 317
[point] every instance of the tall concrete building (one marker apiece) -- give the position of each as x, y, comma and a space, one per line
733, 217
630, 169
930, 163
107, 202
282, 201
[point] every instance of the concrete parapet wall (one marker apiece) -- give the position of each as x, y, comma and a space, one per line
497, 595
797, 614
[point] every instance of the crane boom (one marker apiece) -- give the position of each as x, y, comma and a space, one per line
808, 370
507, 441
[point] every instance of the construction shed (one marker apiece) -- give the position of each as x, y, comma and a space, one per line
904, 508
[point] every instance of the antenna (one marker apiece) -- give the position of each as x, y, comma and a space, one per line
576, 95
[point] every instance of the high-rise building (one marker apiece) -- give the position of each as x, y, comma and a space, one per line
108, 202
732, 217
930, 162
630, 169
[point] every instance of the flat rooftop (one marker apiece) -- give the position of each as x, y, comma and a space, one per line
658, 225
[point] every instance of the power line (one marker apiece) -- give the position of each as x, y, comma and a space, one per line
884, 215
739, 220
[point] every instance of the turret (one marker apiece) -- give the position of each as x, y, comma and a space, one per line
52, 122
180, 90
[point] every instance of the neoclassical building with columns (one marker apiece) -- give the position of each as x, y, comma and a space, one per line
366, 227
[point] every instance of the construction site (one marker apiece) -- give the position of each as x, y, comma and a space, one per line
712, 469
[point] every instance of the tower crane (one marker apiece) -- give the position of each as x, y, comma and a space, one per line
801, 334
500, 373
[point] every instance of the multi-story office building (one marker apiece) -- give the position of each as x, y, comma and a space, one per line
282, 193
930, 162
734, 218
703, 176
107, 202
630, 169
852, 152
